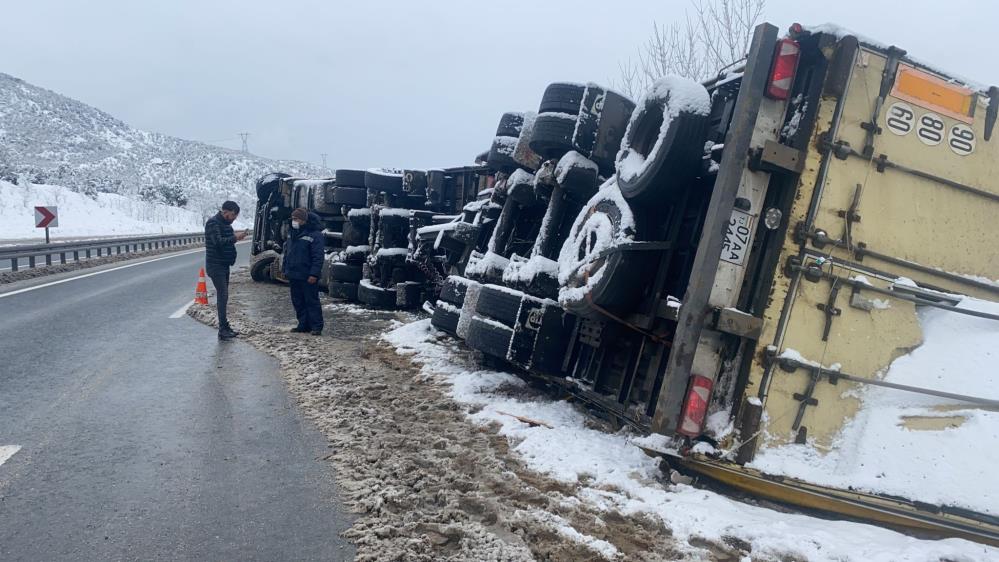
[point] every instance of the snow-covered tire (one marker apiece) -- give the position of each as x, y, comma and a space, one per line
662, 147
589, 281
343, 290
375, 296
603, 120
520, 188
414, 182
415, 202
349, 178
454, 289
394, 230
260, 269
350, 196
268, 184
499, 303
345, 272
489, 338
577, 175
323, 202
384, 179
501, 154
552, 135
562, 97
510, 124
446, 318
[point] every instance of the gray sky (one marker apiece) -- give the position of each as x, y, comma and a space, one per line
378, 83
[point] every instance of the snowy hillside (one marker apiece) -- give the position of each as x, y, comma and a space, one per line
47, 138
82, 216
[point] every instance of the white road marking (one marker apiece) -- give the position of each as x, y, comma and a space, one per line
67, 280
182, 310
7, 451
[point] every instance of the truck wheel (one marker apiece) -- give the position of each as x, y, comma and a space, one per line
553, 134
276, 274
454, 289
325, 275
510, 124
343, 290
590, 282
501, 154
260, 269
662, 147
446, 318
577, 175
345, 272
350, 196
488, 337
349, 178
372, 295
562, 97
388, 180
499, 303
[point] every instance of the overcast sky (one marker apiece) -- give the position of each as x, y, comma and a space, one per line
378, 83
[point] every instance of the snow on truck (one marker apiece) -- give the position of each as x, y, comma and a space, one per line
736, 268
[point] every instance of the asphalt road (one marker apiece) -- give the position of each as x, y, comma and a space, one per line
142, 437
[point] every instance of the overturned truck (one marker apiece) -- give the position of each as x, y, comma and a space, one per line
734, 256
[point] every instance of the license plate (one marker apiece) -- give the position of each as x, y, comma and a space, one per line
737, 238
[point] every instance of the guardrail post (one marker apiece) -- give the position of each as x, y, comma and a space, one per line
76, 255
31, 261
88, 252
48, 259
62, 258
13, 264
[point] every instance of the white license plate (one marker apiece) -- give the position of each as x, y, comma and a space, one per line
738, 237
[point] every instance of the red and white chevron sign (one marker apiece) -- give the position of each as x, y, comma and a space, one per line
46, 217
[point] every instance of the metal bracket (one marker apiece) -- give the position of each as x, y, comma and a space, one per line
737, 323
840, 149
776, 157
830, 310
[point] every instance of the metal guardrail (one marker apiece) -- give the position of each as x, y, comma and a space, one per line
87, 248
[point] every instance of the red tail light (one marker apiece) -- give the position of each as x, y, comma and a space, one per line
782, 73
695, 406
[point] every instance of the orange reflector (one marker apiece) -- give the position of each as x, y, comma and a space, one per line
926, 90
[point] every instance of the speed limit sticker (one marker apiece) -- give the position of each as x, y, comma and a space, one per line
900, 118
961, 139
931, 129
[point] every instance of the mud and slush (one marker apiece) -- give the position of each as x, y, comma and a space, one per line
427, 483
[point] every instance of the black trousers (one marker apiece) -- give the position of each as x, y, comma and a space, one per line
219, 274
305, 299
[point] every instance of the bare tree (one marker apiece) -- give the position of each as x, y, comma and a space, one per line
710, 36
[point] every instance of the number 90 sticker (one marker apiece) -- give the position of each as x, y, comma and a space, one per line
930, 128
961, 139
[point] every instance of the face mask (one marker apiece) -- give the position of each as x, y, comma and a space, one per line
296, 224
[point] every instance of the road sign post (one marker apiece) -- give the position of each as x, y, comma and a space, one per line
46, 217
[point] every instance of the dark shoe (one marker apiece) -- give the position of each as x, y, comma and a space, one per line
299, 330
224, 335
317, 332
230, 331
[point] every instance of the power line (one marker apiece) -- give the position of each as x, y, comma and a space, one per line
324, 160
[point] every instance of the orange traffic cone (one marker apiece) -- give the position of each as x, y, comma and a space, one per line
201, 291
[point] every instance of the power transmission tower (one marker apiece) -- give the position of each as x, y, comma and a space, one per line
324, 160
245, 136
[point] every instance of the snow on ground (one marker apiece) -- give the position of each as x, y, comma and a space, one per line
614, 474
877, 452
79, 215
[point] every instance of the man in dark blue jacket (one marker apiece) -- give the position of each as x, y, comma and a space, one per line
220, 255
302, 264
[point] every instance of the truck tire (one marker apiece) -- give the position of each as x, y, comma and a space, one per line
343, 290
662, 147
388, 180
552, 136
349, 178
501, 154
499, 303
414, 182
562, 97
577, 175
350, 196
489, 338
325, 275
510, 124
323, 202
377, 297
592, 284
276, 274
454, 290
446, 318
345, 272
260, 269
